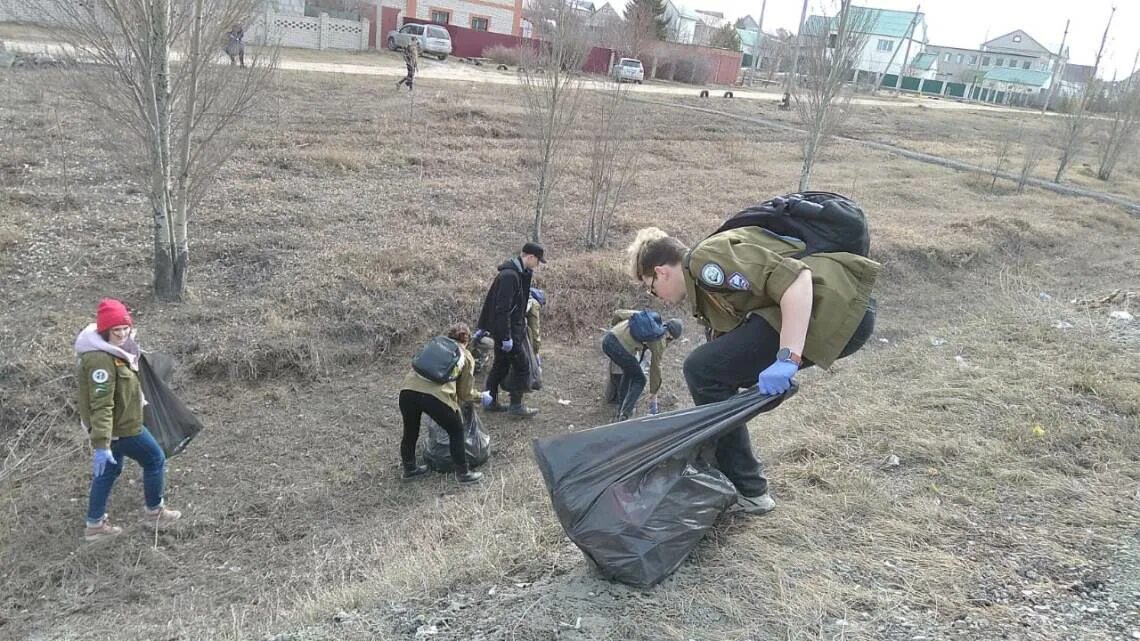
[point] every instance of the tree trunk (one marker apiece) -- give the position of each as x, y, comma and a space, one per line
169, 280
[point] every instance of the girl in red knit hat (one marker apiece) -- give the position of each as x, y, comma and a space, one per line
111, 409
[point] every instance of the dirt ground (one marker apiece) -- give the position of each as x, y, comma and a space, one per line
972, 473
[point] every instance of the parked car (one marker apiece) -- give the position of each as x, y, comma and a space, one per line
434, 40
629, 70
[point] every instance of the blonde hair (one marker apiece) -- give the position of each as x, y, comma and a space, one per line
652, 247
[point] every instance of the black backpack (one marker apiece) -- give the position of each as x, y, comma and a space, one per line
439, 360
824, 221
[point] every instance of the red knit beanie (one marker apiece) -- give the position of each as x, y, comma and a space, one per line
111, 313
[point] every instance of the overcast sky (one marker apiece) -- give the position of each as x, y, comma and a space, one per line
966, 23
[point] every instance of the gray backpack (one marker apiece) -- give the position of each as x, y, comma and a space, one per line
439, 361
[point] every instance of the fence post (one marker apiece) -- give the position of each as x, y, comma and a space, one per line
364, 25
323, 41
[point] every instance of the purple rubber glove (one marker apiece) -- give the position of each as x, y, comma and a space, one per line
653, 407
508, 345
777, 378
487, 399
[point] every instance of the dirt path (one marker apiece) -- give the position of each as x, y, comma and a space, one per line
1112, 199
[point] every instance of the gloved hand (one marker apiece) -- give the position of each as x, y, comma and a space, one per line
653, 408
777, 378
487, 399
100, 461
538, 359
508, 345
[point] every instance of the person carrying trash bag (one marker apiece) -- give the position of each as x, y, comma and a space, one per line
440, 380
504, 316
782, 285
534, 305
636, 331
111, 406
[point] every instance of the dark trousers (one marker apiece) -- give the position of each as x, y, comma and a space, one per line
632, 379
504, 363
410, 78
413, 405
716, 370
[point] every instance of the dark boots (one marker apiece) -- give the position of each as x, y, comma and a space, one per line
411, 470
518, 408
467, 476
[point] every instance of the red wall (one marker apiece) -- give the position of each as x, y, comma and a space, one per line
468, 43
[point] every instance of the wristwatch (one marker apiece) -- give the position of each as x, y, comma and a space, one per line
786, 354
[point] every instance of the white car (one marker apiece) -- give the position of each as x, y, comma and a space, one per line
629, 70
434, 40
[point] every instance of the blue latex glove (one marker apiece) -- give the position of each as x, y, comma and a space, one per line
508, 345
487, 399
777, 378
538, 359
99, 463
653, 408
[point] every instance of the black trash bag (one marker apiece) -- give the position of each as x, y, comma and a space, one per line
167, 418
533, 381
437, 451
637, 496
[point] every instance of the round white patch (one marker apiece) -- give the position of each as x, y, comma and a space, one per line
100, 376
712, 274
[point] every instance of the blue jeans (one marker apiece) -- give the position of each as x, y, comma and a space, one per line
632, 379
147, 453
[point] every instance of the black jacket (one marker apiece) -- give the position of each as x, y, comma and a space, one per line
504, 309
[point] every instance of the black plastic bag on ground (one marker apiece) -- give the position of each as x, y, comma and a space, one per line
637, 496
437, 451
533, 382
167, 418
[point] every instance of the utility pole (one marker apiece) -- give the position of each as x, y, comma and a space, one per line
759, 37
1053, 77
910, 35
796, 55
977, 70
906, 56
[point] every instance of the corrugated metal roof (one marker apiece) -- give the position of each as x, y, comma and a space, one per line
879, 22
924, 61
1028, 77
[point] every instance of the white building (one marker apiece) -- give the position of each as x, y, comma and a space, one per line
888, 35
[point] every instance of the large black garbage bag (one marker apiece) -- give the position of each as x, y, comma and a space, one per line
637, 496
515, 382
171, 423
437, 451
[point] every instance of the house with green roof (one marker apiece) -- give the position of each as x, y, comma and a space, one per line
888, 35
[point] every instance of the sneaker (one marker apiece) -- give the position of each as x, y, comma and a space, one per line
468, 476
161, 517
755, 505
411, 470
522, 411
101, 532
496, 407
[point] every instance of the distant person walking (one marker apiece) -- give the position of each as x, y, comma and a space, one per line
411, 61
111, 410
235, 48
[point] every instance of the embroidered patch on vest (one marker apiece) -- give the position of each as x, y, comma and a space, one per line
738, 281
712, 274
100, 376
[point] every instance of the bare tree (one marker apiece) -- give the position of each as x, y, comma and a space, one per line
1031, 157
614, 159
1003, 152
1075, 124
830, 56
553, 89
1125, 121
153, 67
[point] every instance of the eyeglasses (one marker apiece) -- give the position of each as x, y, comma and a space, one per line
652, 288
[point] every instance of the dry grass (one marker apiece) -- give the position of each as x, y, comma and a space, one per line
330, 245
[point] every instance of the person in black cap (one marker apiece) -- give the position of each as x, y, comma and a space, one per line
504, 316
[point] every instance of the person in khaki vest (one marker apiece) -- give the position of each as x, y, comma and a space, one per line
622, 348
111, 410
768, 315
440, 401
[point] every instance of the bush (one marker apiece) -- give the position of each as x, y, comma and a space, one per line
510, 56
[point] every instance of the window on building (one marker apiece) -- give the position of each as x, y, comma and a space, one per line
999, 62
1044, 66
886, 45
1017, 38
985, 61
480, 24
973, 60
946, 57
1025, 65
1012, 62
959, 59
442, 17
